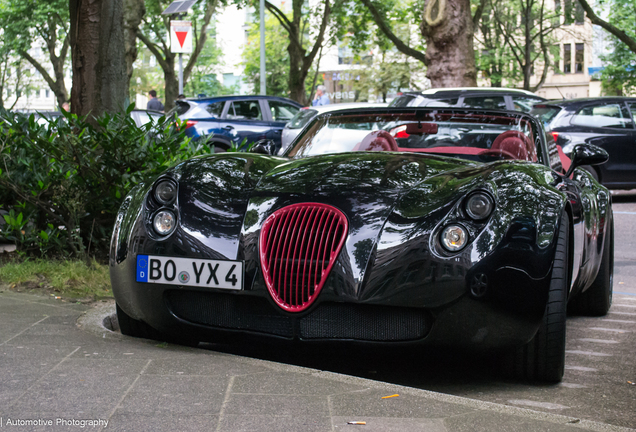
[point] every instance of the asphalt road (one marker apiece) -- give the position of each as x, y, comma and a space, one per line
600, 356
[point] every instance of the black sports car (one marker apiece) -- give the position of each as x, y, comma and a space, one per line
407, 225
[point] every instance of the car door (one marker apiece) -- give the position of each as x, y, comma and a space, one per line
245, 120
280, 113
608, 125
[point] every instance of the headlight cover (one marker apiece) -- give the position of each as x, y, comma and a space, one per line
479, 206
454, 237
164, 222
165, 192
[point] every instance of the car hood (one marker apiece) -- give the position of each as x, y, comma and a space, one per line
225, 199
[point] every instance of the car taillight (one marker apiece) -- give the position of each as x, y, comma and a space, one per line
190, 123
555, 135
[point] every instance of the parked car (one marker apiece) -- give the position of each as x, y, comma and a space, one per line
142, 117
608, 122
471, 97
230, 119
305, 115
367, 231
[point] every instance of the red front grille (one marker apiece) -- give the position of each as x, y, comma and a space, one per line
299, 245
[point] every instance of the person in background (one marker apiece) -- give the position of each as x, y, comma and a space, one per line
154, 103
66, 107
181, 97
321, 96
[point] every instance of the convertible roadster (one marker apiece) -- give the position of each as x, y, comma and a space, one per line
462, 228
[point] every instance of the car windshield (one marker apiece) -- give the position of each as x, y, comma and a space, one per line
301, 118
545, 113
474, 136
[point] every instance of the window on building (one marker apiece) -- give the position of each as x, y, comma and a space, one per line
567, 58
579, 14
555, 52
567, 12
579, 56
48, 93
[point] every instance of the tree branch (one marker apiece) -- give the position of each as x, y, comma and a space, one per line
154, 49
399, 44
620, 34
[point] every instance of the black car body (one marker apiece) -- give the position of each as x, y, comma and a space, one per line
231, 119
497, 98
608, 122
395, 226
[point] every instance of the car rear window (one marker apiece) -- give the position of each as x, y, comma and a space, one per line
301, 118
545, 113
603, 116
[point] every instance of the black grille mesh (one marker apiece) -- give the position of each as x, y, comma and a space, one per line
363, 322
327, 321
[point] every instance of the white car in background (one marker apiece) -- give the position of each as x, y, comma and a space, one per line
304, 116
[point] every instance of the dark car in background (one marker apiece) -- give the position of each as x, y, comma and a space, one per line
470, 97
231, 119
607, 122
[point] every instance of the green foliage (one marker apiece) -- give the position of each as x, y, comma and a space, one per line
276, 57
619, 75
64, 182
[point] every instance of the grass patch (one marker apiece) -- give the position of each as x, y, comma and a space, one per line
64, 278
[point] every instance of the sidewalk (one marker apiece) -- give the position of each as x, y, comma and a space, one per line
59, 365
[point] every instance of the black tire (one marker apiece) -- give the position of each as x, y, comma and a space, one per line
597, 299
543, 358
135, 328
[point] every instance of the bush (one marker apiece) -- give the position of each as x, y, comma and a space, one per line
62, 183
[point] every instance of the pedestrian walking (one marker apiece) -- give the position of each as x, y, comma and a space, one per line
154, 103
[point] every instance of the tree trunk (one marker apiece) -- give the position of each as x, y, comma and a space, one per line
98, 57
447, 26
134, 11
296, 83
171, 76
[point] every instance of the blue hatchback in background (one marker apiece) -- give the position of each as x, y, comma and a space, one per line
230, 119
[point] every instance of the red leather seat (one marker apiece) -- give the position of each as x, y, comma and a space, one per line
377, 141
515, 145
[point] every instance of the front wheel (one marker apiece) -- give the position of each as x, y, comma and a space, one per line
543, 358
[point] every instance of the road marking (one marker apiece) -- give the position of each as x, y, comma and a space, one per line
624, 293
610, 330
588, 353
623, 313
625, 305
581, 368
628, 298
623, 321
629, 213
603, 341
546, 405
572, 385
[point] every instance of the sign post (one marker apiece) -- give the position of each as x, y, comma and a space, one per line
181, 42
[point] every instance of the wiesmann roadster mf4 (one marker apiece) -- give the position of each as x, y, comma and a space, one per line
462, 228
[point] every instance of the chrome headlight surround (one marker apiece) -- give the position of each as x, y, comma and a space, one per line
454, 237
164, 222
479, 205
165, 191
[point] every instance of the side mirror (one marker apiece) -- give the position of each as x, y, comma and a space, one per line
587, 154
264, 146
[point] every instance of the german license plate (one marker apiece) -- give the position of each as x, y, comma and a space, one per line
190, 272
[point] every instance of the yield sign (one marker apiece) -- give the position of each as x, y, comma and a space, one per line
180, 36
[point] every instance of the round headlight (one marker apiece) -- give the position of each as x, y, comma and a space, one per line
166, 192
479, 206
164, 222
454, 238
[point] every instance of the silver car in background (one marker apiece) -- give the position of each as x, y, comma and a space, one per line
304, 116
